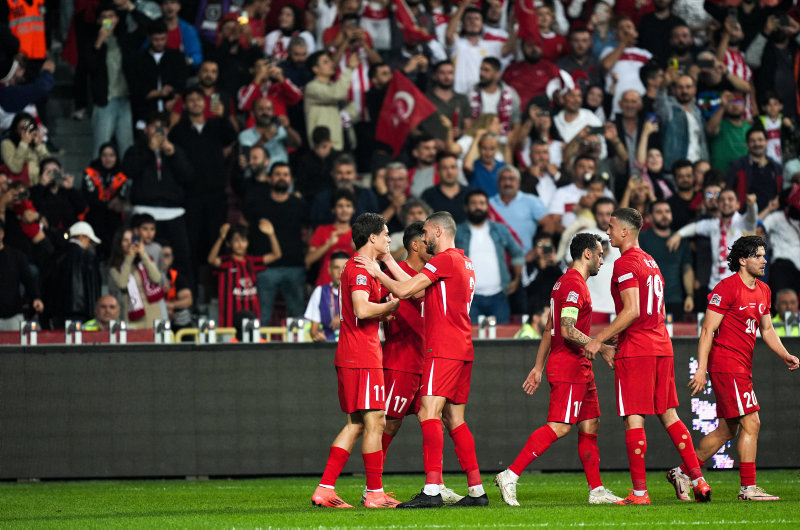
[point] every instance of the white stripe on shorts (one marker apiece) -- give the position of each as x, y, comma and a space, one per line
430, 381
621, 404
569, 404
738, 399
389, 399
366, 401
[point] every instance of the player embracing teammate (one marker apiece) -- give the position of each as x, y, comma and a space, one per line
644, 373
573, 394
737, 307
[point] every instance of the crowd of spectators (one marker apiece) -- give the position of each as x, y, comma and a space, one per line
234, 141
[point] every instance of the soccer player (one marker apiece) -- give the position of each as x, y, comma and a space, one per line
359, 368
448, 284
573, 394
737, 307
403, 357
644, 372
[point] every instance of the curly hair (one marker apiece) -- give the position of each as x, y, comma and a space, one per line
743, 248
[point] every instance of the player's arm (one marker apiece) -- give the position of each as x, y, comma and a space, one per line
629, 313
364, 309
394, 268
710, 325
401, 289
569, 316
774, 342
535, 376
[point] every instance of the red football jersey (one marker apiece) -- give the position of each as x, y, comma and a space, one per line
402, 350
448, 331
359, 345
742, 309
566, 362
647, 335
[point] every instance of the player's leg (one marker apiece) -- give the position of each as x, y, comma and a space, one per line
453, 418
589, 454
337, 458
371, 451
682, 440
709, 445
634, 383
747, 446
392, 428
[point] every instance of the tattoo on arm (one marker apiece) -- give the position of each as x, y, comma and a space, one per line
573, 335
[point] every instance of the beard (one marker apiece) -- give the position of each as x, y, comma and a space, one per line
477, 217
661, 226
483, 82
778, 37
430, 248
443, 86
681, 49
281, 186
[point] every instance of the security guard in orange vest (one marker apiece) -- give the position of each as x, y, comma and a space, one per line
26, 21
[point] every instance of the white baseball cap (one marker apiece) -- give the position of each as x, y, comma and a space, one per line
82, 228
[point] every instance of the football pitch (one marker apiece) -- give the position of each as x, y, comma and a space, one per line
548, 500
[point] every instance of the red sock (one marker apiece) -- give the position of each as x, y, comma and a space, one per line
747, 473
373, 467
386, 439
337, 458
636, 444
432, 447
465, 451
590, 458
700, 464
682, 441
538, 442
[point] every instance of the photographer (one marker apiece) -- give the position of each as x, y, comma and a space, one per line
56, 199
23, 148
541, 270
274, 133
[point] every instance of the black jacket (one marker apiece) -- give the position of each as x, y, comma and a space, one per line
96, 58
73, 286
150, 188
172, 70
204, 151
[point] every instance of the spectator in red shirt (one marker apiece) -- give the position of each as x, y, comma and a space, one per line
268, 82
335, 237
554, 46
530, 76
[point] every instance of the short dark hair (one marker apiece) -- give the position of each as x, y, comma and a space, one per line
343, 160
680, 164
583, 241
655, 203
494, 62
421, 139
155, 116
235, 230
444, 220
373, 69
714, 177
320, 134
343, 193
412, 232
367, 224
768, 95
445, 154
339, 254
440, 64
601, 201
157, 27
49, 160
744, 247
754, 129
649, 70
578, 29
474, 192
278, 165
313, 59
194, 90
142, 218
630, 217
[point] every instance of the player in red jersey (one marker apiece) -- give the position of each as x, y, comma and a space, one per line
573, 394
359, 368
644, 372
737, 307
403, 357
448, 283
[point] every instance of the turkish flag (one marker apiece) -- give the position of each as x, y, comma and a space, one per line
525, 10
408, 25
404, 107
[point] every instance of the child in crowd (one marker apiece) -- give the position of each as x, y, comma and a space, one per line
323, 306
144, 230
237, 271
777, 126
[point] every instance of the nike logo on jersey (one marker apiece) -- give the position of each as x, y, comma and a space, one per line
742, 307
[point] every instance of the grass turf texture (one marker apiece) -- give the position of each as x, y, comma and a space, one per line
551, 499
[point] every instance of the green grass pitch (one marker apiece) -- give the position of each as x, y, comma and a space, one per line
548, 500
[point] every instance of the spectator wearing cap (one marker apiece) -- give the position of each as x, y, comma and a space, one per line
15, 272
726, 129
73, 284
468, 50
755, 172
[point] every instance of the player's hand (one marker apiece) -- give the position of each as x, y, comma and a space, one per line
792, 362
608, 352
698, 382
592, 349
369, 265
532, 381
673, 242
688, 304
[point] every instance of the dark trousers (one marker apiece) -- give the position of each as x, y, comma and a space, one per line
175, 232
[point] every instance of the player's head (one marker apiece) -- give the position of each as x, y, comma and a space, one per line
370, 229
587, 249
336, 266
748, 252
412, 240
438, 226
624, 226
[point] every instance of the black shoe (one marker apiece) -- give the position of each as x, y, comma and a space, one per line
468, 501
423, 500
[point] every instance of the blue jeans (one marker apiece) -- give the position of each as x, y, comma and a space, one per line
496, 304
291, 281
113, 120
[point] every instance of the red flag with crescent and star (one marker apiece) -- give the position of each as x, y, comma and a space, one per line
525, 11
412, 33
404, 107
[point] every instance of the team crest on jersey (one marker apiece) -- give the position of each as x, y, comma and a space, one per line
361, 280
572, 297
715, 300
626, 276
